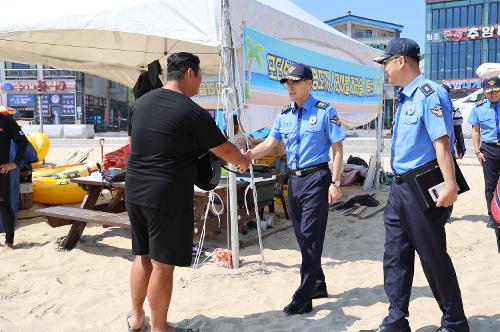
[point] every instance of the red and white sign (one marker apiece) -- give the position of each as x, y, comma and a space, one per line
52, 85
471, 33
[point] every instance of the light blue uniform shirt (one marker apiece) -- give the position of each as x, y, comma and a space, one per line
308, 132
486, 115
424, 114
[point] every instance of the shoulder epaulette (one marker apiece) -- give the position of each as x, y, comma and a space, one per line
321, 104
481, 102
427, 89
286, 108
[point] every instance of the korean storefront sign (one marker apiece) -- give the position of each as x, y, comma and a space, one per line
471, 33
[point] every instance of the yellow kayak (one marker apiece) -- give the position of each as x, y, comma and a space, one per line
56, 191
41, 144
51, 170
77, 171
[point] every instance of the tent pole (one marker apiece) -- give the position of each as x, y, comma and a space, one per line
378, 156
229, 94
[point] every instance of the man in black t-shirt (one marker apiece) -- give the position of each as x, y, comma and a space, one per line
168, 132
9, 131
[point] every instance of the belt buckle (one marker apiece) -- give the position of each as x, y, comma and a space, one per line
298, 172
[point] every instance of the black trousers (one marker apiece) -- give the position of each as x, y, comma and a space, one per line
308, 208
491, 170
6, 211
408, 229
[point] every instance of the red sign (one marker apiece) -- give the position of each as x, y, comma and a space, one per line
471, 33
42, 85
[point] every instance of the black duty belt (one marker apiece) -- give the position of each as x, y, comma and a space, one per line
492, 144
308, 170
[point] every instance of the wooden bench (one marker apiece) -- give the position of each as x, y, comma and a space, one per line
64, 215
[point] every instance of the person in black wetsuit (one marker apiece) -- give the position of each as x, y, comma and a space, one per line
9, 131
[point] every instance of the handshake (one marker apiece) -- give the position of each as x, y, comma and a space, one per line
246, 160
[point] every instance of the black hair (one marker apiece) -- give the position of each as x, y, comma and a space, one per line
178, 63
446, 87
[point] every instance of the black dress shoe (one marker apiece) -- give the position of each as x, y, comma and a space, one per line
443, 329
491, 224
319, 293
383, 328
295, 308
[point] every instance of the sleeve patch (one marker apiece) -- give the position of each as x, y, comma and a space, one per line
481, 102
336, 120
321, 104
427, 89
437, 111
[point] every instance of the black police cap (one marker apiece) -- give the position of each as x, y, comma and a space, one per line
491, 84
297, 72
400, 46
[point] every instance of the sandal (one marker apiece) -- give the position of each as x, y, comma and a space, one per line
130, 329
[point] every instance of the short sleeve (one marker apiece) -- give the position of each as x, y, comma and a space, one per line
129, 121
433, 114
206, 131
473, 119
334, 126
275, 130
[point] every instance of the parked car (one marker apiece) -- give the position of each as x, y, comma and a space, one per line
465, 106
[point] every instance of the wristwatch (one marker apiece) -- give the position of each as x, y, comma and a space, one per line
336, 183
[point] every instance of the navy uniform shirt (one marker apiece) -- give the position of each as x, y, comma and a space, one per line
486, 115
308, 132
423, 115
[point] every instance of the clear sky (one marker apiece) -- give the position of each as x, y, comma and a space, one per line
409, 13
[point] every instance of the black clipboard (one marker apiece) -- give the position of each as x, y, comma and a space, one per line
424, 177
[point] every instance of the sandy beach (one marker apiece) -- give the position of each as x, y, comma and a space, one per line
87, 289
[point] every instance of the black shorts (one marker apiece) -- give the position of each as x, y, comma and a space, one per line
165, 235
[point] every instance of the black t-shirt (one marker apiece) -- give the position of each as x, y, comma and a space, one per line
10, 130
169, 132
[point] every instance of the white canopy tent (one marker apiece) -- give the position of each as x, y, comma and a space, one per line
116, 39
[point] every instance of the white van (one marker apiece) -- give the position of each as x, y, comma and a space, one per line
465, 105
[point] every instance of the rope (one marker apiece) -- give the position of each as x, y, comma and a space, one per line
210, 206
257, 217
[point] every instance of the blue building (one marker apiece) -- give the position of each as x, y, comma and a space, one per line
461, 35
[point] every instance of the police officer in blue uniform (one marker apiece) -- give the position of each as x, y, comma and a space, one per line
308, 128
423, 132
485, 118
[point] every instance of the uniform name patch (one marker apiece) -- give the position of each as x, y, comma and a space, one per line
336, 120
427, 89
437, 111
